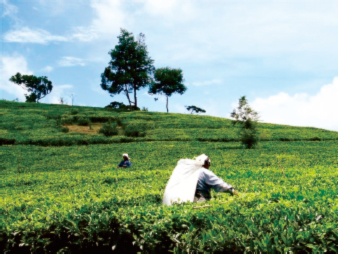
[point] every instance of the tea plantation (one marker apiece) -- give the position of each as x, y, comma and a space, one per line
61, 190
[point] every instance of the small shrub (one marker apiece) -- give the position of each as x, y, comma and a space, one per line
116, 105
84, 121
58, 120
74, 112
75, 119
249, 137
120, 123
247, 118
64, 129
109, 129
135, 131
144, 109
67, 120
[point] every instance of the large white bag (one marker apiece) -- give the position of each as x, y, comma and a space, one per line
181, 186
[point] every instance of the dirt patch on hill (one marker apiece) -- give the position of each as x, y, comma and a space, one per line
93, 130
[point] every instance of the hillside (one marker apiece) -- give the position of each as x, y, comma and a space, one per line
63, 193
39, 124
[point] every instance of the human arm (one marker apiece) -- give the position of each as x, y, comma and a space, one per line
217, 183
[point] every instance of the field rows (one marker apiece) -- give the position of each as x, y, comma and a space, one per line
74, 199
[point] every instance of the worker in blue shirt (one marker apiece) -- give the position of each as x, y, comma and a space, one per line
207, 180
126, 161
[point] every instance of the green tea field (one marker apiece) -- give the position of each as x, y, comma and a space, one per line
61, 191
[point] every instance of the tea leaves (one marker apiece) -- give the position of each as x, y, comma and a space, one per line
65, 193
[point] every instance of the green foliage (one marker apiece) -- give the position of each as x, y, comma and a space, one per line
58, 198
74, 112
120, 122
115, 105
135, 130
84, 121
167, 81
64, 129
109, 129
36, 124
73, 198
38, 87
247, 118
129, 68
195, 109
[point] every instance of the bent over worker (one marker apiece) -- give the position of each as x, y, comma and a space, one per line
191, 181
126, 161
207, 180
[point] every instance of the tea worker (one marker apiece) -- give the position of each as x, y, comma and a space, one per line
207, 180
191, 181
126, 161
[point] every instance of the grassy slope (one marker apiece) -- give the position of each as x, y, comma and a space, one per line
25, 123
53, 194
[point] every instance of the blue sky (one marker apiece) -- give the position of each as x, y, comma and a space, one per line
282, 55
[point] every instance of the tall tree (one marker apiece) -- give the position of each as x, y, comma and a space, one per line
38, 87
130, 67
167, 82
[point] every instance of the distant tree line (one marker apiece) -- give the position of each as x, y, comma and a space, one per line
129, 70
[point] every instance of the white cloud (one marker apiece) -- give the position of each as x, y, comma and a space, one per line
58, 92
207, 82
47, 69
173, 9
228, 29
109, 19
27, 35
8, 9
301, 109
68, 61
9, 66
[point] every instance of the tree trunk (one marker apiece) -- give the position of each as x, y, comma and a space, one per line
167, 104
135, 98
127, 94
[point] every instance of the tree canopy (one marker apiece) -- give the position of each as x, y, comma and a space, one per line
167, 81
38, 87
130, 67
195, 109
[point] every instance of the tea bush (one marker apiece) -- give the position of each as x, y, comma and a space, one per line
61, 192
109, 129
74, 198
29, 123
84, 121
64, 129
135, 131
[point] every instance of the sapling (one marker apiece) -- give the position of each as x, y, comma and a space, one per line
247, 118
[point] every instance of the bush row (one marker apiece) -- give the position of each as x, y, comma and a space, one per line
248, 226
131, 133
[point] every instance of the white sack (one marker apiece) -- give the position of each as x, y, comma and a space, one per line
181, 186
